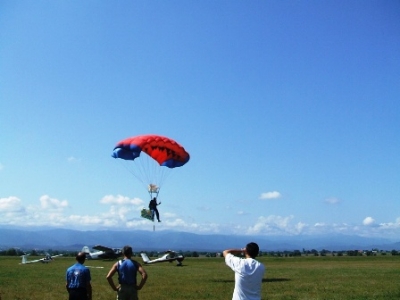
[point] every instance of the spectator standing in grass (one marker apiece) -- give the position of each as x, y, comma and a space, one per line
127, 270
78, 280
248, 272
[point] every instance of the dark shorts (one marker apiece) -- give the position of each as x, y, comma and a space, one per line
77, 294
127, 292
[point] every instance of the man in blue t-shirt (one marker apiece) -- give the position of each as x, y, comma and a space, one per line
78, 280
127, 270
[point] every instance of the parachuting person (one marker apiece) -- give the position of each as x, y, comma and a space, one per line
153, 207
161, 155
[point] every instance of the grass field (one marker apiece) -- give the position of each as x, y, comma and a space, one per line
208, 278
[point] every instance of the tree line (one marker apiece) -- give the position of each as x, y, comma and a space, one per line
294, 253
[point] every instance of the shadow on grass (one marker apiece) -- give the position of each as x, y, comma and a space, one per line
264, 280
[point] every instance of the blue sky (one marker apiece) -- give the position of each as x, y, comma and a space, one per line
289, 110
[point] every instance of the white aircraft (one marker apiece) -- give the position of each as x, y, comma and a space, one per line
169, 256
48, 258
103, 252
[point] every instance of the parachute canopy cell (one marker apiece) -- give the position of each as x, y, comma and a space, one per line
164, 150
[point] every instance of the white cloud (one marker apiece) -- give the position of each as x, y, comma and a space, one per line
169, 215
368, 221
176, 223
395, 224
332, 200
270, 195
274, 225
300, 226
51, 203
85, 220
10, 204
123, 213
319, 224
121, 200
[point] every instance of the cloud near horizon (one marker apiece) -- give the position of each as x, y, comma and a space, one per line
121, 200
123, 213
51, 203
10, 204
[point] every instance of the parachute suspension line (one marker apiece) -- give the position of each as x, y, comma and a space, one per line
130, 169
152, 174
148, 172
143, 170
150, 159
155, 174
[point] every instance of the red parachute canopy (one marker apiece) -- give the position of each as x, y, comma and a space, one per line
163, 150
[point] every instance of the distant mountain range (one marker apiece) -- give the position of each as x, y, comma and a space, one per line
65, 239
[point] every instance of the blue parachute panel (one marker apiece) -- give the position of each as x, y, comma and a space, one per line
127, 154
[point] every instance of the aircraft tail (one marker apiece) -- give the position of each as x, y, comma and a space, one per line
145, 257
86, 250
24, 260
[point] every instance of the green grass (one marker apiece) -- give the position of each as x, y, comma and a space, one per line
308, 278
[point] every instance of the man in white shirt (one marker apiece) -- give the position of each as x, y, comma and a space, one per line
248, 272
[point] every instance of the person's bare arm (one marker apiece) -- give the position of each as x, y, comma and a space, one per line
110, 275
144, 277
233, 251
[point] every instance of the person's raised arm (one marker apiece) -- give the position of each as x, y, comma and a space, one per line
233, 251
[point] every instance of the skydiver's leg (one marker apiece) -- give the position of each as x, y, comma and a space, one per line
158, 215
152, 214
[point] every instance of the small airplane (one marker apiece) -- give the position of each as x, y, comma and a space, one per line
103, 252
48, 258
169, 256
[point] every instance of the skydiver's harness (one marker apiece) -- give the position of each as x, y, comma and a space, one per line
124, 278
153, 204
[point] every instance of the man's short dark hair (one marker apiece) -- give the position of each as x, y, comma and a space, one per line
127, 251
252, 249
80, 257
